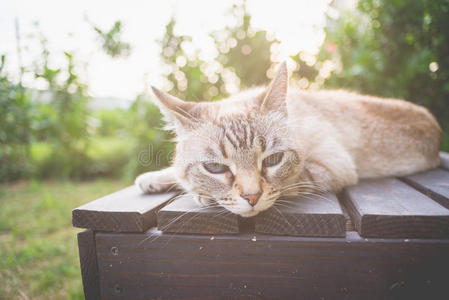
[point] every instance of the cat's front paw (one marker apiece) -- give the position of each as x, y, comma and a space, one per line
152, 182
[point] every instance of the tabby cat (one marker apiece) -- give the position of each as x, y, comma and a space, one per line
246, 151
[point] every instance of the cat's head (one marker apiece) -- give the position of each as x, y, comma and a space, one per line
237, 151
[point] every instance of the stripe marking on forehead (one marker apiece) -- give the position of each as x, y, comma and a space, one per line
240, 133
231, 140
223, 149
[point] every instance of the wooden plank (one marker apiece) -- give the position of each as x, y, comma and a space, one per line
434, 183
88, 263
246, 266
390, 208
128, 210
444, 156
317, 215
184, 215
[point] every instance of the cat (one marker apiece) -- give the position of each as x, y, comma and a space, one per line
246, 151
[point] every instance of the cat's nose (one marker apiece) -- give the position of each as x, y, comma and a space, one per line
251, 198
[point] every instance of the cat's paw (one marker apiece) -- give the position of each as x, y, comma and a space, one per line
152, 182
203, 201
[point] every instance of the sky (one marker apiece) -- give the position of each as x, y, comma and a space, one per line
297, 24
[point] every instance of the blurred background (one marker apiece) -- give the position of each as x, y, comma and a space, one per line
76, 116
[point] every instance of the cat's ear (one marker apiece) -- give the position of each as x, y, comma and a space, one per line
175, 111
274, 97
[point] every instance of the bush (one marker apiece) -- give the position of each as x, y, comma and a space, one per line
152, 147
394, 49
109, 156
15, 106
112, 122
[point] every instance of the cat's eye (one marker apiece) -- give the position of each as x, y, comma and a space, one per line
273, 159
215, 168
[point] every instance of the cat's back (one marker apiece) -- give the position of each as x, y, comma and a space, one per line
384, 136
338, 104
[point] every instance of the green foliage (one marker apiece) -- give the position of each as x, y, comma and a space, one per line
392, 49
15, 107
112, 122
111, 41
151, 147
244, 55
185, 76
244, 50
65, 119
109, 156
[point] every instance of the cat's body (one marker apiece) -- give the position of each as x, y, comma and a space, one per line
246, 151
383, 137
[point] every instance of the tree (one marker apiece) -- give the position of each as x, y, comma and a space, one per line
186, 75
243, 58
244, 50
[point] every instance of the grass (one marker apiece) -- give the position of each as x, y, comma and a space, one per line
38, 246
108, 156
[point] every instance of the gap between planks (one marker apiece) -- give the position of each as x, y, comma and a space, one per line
389, 208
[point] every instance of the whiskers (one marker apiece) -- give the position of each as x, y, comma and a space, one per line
303, 185
305, 189
290, 196
184, 218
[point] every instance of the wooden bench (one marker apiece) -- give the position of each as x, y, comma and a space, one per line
381, 239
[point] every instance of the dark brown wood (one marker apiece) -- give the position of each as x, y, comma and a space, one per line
444, 156
184, 215
434, 183
317, 215
390, 208
88, 263
128, 210
248, 266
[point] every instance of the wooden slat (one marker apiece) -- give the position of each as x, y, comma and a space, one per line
88, 264
318, 215
444, 156
390, 208
270, 267
434, 183
128, 210
184, 215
